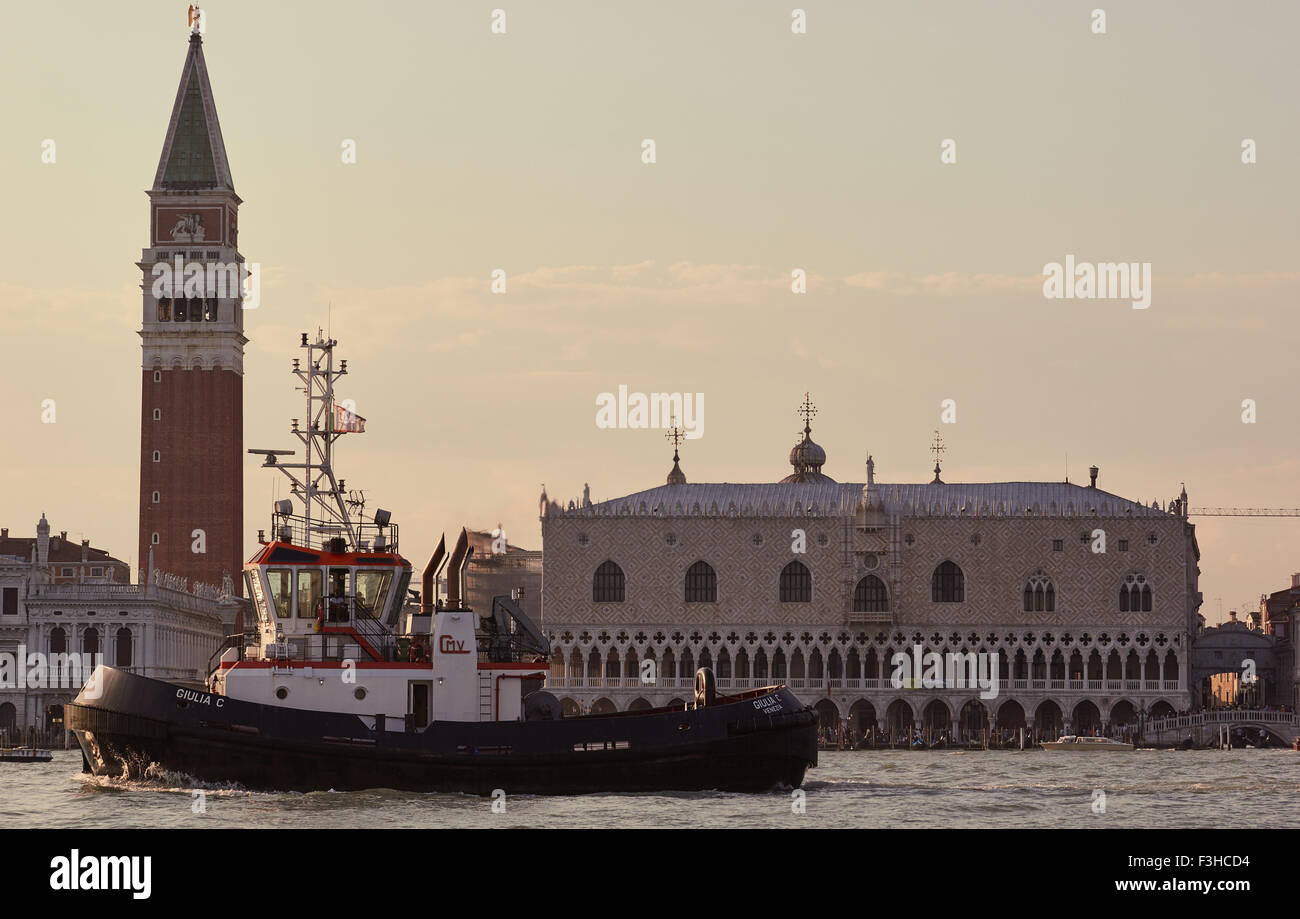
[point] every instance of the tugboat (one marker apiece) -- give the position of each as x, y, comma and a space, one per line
344, 685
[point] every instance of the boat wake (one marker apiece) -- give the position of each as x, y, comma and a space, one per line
150, 776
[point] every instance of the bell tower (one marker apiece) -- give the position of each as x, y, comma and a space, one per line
191, 421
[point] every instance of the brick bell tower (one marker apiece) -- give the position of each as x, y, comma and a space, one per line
191, 422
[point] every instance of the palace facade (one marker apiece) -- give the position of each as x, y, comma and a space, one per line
1088, 600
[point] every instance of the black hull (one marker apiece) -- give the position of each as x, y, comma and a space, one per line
734, 745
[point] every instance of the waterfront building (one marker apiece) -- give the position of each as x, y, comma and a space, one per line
66, 563
191, 419
819, 583
1235, 664
162, 628
1280, 617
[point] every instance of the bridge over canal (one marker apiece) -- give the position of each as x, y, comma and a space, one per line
1204, 727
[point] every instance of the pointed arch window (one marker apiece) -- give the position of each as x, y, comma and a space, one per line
796, 583
1135, 594
701, 583
1040, 594
870, 596
608, 584
948, 584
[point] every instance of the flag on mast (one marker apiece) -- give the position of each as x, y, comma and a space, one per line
347, 422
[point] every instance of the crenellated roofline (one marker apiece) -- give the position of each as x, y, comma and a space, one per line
992, 499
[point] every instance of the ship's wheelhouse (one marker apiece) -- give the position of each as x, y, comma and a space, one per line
301, 594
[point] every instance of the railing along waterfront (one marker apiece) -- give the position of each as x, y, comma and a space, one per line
852, 684
1222, 716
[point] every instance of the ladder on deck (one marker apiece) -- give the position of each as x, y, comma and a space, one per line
485, 696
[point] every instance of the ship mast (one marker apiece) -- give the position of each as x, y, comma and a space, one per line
325, 511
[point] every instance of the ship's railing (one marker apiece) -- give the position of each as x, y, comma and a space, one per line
510, 651
230, 641
292, 528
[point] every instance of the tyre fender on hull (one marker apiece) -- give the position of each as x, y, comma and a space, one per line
542, 706
706, 688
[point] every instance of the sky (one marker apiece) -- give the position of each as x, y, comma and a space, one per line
775, 152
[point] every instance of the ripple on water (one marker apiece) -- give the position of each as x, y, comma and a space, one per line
848, 789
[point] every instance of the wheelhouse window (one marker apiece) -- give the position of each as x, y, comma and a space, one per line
372, 589
309, 593
281, 584
701, 583
608, 584
796, 583
338, 598
948, 584
399, 596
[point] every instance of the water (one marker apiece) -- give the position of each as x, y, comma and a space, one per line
1148, 788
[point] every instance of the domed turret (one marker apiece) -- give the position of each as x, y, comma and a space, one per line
807, 453
807, 457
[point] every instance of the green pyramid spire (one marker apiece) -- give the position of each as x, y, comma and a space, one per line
194, 153
191, 155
